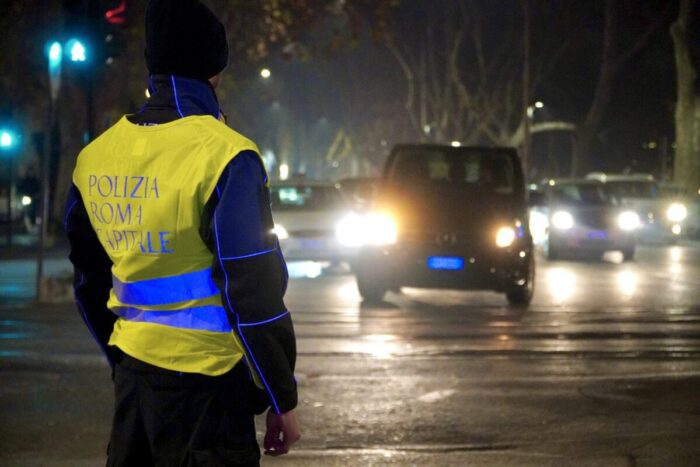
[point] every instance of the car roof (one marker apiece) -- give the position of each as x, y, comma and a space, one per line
634, 177
570, 181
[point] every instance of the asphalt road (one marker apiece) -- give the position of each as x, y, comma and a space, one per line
602, 369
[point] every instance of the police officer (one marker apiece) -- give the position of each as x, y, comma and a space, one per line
178, 275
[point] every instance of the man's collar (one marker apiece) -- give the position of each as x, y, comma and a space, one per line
186, 96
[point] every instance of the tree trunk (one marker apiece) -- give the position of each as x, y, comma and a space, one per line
585, 136
686, 168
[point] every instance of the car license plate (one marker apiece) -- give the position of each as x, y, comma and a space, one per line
449, 263
313, 244
598, 235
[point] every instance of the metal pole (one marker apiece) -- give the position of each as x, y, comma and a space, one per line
45, 190
10, 165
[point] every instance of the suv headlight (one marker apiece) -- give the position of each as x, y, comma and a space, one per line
628, 220
376, 228
562, 220
676, 212
505, 236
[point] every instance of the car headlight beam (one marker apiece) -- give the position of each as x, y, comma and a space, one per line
677, 212
628, 221
562, 220
375, 228
505, 237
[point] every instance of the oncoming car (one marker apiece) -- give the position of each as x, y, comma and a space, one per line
306, 216
582, 217
445, 217
661, 217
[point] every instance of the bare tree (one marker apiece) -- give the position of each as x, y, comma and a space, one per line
614, 57
686, 169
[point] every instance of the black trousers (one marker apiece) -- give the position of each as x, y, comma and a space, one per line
165, 418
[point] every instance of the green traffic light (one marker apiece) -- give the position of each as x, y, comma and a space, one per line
76, 50
55, 54
7, 140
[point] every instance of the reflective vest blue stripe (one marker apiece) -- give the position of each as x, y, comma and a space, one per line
164, 290
201, 318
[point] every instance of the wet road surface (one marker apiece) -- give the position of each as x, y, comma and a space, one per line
602, 369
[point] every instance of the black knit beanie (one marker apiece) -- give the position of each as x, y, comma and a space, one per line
184, 38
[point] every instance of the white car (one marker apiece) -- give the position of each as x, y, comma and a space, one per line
306, 216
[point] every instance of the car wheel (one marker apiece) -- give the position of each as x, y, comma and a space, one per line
371, 291
522, 295
628, 254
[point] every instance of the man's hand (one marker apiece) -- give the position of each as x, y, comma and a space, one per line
282, 432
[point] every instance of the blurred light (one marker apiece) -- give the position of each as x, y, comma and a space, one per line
6, 139
539, 104
676, 229
562, 220
280, 231
304, 269
455, 144
284, 171
627, 282
426, 129
628, 220
78, 52
538, 226
675, 253
55, 54
551, 183
148, 94
380, 345
676, 212
265, 73
561, 283
375, 228
505, 237
652, 145
349, 230
26, 200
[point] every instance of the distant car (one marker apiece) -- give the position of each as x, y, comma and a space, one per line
662, 217
445, 217
576, 217
306, 216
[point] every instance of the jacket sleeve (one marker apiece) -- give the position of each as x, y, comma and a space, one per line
251, 273
92, 272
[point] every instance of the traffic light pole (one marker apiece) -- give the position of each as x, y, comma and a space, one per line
45, 191
10, 166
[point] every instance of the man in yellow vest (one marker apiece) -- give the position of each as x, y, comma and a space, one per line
178, 275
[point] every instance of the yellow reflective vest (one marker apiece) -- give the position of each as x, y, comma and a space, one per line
144, 188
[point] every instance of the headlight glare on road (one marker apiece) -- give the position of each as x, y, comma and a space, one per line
505, 236
676, 212
562, 220
280, 231
628, 220
376, 228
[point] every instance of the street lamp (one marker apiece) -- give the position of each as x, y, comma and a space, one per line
265, 73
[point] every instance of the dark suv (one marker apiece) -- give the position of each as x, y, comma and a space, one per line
447, 217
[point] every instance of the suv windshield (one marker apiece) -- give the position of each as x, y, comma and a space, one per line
587, 194
305, 198
485, 170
